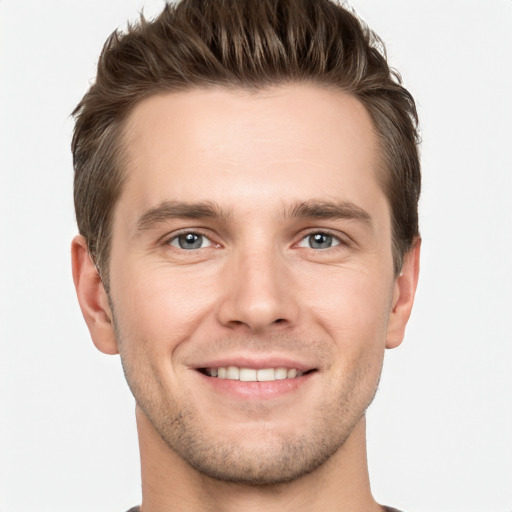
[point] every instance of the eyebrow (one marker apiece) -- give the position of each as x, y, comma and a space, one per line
180, 210
210, 210
330, 210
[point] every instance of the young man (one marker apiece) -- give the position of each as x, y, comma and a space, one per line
246, 188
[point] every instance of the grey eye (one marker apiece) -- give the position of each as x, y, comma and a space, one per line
319, 241
190, 241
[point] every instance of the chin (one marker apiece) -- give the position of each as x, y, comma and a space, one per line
272, 463
258, 456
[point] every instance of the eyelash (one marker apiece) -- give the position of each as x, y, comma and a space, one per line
338, 241
198, 233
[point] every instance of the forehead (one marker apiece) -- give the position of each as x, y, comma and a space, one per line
244, 147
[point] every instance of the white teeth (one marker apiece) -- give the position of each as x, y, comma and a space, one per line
266, 374
292, 373
248, 374
281, 373
233, 372
253, 375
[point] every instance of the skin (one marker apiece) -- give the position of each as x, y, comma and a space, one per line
257, 175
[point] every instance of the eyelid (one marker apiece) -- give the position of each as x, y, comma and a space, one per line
169, 237
342, 238
205, 242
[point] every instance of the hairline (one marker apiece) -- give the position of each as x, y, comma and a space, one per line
121, 162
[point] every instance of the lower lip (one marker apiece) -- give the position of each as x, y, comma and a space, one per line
257, 390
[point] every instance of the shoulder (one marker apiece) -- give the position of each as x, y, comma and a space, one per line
386, 509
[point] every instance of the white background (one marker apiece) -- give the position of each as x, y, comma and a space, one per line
440, 430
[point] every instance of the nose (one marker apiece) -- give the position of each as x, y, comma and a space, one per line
257, 292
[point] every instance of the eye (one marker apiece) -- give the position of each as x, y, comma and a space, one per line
190, 241
319, 240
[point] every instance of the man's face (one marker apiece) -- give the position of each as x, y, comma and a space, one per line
252, 241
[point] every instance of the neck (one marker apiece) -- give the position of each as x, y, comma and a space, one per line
169, 483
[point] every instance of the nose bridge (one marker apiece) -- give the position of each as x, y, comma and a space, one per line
257, 288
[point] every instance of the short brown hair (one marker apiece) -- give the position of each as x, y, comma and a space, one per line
244, 44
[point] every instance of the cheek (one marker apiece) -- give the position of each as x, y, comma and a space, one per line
158, 310
156, 299
354, 307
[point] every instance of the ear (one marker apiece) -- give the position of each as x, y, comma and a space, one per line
403, 296
92, 298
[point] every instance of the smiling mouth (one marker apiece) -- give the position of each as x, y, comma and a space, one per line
253, 375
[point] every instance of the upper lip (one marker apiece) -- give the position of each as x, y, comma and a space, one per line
255, 362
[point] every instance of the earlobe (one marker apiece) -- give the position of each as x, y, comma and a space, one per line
403, 296
92, 298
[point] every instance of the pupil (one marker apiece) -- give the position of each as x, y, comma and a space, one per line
190, 241
320, 241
